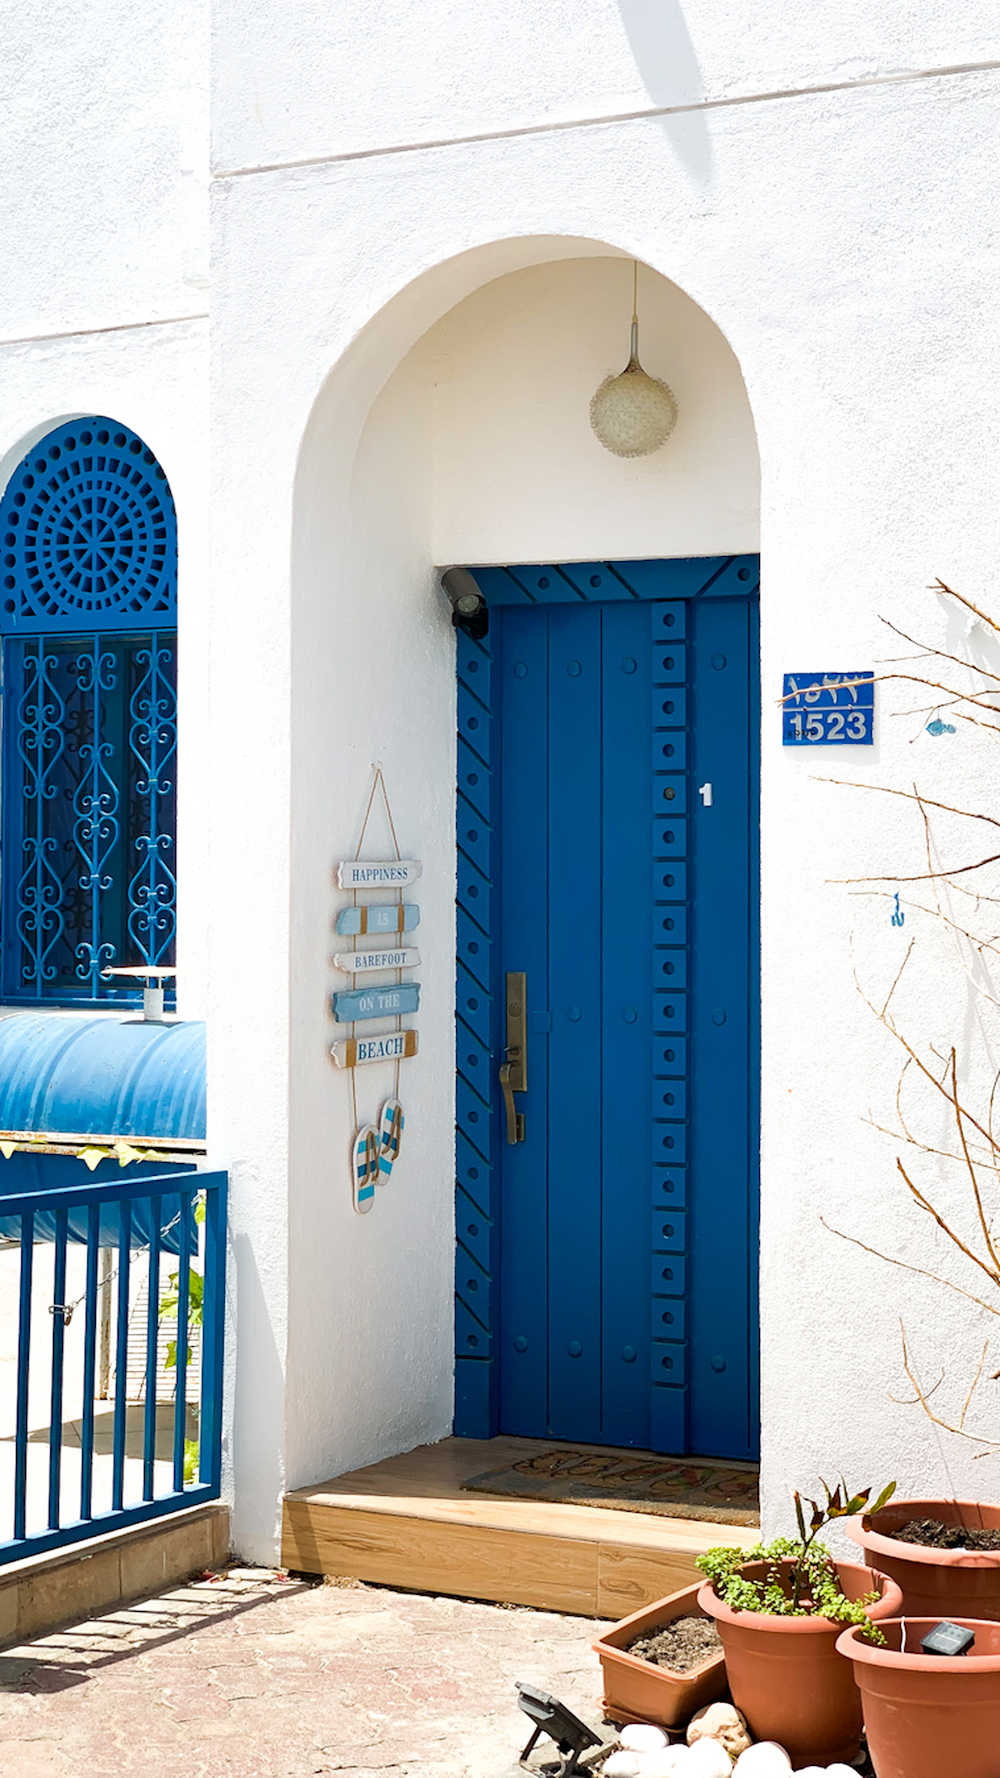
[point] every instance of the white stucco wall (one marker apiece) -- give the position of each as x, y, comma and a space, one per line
294, 80
104, 213
834, 250
869, 387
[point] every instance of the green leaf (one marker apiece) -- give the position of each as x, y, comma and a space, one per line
887, 1493
170, 1362
856, 1504
196, 1298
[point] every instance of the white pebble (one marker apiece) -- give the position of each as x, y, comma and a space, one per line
669, 1762
815, 1772
642, 1737
765, 1759
626, 1764
706, 1759
840, 1771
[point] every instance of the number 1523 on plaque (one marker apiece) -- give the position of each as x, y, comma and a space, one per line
828, 709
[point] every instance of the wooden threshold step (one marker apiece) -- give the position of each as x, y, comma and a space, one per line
406, 1523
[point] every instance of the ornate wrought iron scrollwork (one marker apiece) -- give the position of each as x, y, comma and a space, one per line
96, 802
88, 608
40, 745
152, 890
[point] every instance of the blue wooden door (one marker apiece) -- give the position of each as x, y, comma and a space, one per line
624, 1225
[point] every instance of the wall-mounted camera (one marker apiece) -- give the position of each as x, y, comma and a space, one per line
469, 610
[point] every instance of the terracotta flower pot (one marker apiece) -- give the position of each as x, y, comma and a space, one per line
941, 1582
785, 1673
638, 1691
928, 1716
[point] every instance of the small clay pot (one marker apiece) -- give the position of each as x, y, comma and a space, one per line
785, 1674
944, 1582
639, 1691
927, 1716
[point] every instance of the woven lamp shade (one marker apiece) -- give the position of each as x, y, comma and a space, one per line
633, 414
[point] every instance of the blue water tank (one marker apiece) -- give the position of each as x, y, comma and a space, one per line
102, 1076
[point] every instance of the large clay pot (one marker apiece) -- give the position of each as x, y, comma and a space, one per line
929, 1716
785, 1673
940, 1582
638, 1691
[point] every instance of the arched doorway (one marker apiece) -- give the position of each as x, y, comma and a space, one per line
455, 430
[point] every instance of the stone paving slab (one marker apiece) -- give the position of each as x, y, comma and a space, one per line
259, 1676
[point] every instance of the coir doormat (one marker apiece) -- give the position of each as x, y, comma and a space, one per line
672, 1486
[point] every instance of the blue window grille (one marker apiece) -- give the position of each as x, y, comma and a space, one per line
88, 618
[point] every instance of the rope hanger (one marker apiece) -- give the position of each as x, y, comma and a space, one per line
378, 784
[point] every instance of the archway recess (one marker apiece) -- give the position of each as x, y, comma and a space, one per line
455, 428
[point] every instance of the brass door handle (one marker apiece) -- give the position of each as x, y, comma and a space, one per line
515, 1119
514, 1070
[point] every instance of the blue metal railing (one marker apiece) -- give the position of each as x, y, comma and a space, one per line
144, 1220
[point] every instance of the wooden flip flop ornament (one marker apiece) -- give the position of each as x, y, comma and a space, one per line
365, 1168
390, 1134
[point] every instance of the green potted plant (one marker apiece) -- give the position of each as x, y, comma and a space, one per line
779, 1609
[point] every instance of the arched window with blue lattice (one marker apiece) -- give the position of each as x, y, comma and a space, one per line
88, 624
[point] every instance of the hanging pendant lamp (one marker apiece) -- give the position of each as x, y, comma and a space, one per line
633, 413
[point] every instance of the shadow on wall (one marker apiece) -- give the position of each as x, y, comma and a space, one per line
664, 55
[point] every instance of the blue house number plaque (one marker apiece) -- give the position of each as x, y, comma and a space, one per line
828, 709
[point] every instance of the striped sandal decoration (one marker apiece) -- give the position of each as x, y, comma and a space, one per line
390, 1133
365, 1169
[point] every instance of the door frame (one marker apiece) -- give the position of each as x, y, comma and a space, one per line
478, 1111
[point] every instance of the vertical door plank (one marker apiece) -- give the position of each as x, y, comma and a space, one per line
626, 942
722, 1240
575, 1109
524, 1218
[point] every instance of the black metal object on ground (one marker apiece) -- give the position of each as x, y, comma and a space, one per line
550, 1717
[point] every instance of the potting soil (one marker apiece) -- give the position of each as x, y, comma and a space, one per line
934, 1535
681, 1645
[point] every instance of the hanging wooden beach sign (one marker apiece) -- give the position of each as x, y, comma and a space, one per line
358, 1051
352, 922
356, 962
375, 1151
375, 1003
364, 873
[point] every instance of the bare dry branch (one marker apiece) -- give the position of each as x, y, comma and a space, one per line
940, 587
912, 1401
938, 913
912, 796
991, 1250
928, 652
919, 1271
974, 1384
928, 1073
946, 1229
923, 1398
